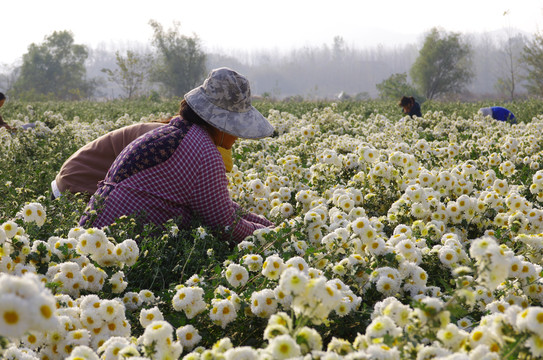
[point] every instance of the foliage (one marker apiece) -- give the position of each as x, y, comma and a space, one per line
54, 69
396, 86
532, 59
362, 201
443, 65
180, 65
131, 73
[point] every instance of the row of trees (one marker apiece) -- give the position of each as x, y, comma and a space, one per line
444, 66
55, 69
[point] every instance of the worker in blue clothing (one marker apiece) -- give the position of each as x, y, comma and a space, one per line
499, 113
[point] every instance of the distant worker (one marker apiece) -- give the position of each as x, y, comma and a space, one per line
498, 113
2, 123
410, 106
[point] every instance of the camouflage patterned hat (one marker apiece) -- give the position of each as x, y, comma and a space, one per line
224, 101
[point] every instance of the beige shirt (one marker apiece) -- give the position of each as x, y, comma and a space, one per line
89, 165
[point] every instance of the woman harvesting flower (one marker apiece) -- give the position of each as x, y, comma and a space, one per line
176, 171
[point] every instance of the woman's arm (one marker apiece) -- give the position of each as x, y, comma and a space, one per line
252, 217
211, 201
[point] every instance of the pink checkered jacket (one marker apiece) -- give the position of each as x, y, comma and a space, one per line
187, 180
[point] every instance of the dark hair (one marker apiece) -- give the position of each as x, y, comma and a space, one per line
2, 96
407, 101
186, 112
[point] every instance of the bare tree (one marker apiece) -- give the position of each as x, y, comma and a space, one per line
512, 46
131, 73
9, 76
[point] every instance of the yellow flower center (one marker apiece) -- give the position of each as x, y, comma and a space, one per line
11, 317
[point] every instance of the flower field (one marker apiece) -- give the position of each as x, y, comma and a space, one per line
396, 238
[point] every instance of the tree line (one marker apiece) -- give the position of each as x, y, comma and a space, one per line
447, 65
55, 69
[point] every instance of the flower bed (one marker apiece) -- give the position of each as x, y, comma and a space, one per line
411, 238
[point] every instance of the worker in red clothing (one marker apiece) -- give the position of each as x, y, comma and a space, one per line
176, 171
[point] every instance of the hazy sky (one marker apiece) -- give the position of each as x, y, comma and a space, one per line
256, 25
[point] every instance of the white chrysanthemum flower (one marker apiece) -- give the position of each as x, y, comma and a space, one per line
110, 309
480, 335
112, 347
118, 284
313, 217
387, 286
286, 210
346, 203
130, 252
531, 319
273, 267
464, 323
377, 246
157, 331
448, 256
382, 351
236, 275
535, 344
93, 242
263, 303
501, 186
222, 312
325, 293
15, 319
33, 339
74, 233
283, 347
195, 308
82, 352
147, 316
188, 336
283, 297
33, 212
253, 262
195, 280
281, 318
363, 228
129, 352
147, 296
95, 278
273, 330
241, 353
481, 246
451, 336
78, 337
312, 340
10, 228
42, 311
258, 188
186, 296
298, 263
70, 276
369, 155
293, 281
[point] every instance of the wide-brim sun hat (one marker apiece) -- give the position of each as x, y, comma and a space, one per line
224, 101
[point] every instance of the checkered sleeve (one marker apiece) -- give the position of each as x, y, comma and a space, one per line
211, 201
252, 217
